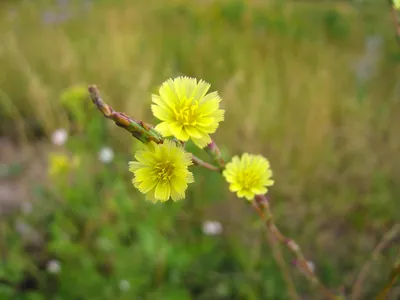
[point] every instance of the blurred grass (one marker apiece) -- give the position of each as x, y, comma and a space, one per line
285, 71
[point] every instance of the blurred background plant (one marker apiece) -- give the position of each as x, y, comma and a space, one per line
312, 86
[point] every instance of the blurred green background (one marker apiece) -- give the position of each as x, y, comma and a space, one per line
312, 85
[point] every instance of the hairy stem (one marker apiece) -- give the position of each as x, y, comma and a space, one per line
197, 161
213, 150
142, 131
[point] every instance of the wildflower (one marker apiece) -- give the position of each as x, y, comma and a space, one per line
53, 266
248, 176
59, 137
187, 111
124, 285
61, 163
106, 155
212, 228
396, 4
161, 171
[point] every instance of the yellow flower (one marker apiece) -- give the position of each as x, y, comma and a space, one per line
187, 111
396, 4
161, 171
61, 163
248, 176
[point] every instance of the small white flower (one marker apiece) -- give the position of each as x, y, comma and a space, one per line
311, 265
59, 137
26, 207
124, 285
212, 228
53, 266
106, 155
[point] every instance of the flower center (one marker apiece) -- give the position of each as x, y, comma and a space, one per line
163, 170
187, 113
248, 179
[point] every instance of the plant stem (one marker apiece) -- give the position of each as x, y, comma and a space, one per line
197, 161
262, 208
142, 131
213, 150
390, 235
278, 257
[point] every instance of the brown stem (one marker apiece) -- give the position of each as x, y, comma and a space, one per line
197, 161
392, 279
390, 235
266, 215
278, 257
142, 131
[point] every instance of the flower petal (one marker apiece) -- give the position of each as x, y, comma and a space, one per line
162, 191
163, 128
162, 113
203, 141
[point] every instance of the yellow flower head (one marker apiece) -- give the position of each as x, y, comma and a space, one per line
61, 164
161, 171
248, 176
187, 111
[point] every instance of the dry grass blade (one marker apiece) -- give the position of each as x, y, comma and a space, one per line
390, 235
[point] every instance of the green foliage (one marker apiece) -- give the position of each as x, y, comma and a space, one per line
102, 234
285, 73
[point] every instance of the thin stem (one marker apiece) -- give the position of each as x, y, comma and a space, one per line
213, 150
142, 131
392, 279
278, 257
262, 208
266, 215
197, 161
390, 235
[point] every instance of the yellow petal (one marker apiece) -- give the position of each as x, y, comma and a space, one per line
193, 132
178, 184
145, 157
156, 99
200, 90
208, 107
175, 196
162, 191
134, 165
203, 141
162, 113
249, 195
234, 187
189, 177
143, 174
168, 93
163, 128
178, 131
145, 186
